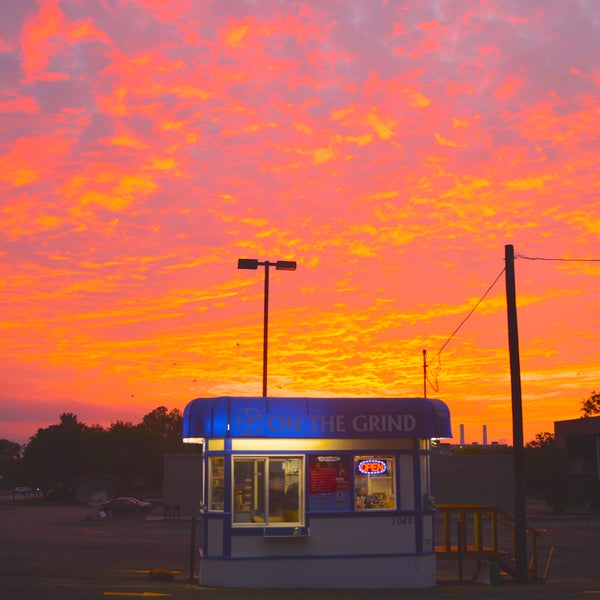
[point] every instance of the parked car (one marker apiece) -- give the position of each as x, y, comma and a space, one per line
125, 505
22, 489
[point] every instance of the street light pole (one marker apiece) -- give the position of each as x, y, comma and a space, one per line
280, 265
265, 329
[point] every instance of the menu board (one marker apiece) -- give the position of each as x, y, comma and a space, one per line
329, 483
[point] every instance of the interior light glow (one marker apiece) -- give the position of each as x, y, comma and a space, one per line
193, 440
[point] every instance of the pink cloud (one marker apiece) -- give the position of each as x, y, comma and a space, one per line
393, 149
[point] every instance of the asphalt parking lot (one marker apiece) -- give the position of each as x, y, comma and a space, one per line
67, 552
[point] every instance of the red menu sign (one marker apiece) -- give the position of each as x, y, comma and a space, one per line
328, 474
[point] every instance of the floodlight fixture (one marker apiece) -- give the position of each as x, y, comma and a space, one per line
248, 263
285, 265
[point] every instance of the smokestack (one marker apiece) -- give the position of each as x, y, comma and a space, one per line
485, 435
462, 435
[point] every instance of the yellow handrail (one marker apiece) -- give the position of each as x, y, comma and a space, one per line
477, 513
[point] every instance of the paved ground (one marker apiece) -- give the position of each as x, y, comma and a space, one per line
68, 553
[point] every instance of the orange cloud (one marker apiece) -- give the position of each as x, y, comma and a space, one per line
43, 36
234, 34
509, 88
147, 145
29, 158
24, 104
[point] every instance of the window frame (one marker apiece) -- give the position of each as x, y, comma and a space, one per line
216, 484
368, 502
260, 513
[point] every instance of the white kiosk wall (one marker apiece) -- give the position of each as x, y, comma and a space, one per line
317, 492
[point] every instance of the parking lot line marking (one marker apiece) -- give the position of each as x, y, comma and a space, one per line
150, 571
138, 594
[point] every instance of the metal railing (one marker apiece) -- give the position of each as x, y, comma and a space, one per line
478, 534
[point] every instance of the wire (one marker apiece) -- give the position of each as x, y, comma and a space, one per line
557, 259
439, 353
438, 368
470, 313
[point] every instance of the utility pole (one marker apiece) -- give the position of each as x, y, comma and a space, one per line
424, 373
517, 419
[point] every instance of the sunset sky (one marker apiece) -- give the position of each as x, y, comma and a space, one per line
392, 148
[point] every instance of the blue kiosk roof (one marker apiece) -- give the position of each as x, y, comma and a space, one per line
258, 417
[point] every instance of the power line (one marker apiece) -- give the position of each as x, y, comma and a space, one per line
557, 259
438, 355
434, 385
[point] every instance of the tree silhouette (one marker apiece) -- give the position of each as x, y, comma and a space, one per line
548, 473
10, 456
57, 454
168, 425
130, 455
591, 406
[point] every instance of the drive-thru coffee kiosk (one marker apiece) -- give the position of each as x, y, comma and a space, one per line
317, 492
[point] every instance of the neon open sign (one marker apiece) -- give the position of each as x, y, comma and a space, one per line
372, 466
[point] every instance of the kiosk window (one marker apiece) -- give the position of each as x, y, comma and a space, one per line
374, 482
216, 483
267, 490
428, 500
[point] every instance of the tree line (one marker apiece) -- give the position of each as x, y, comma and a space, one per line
129, 455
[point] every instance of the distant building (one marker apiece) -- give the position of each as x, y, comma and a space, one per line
182, 485
473, 479
580, 439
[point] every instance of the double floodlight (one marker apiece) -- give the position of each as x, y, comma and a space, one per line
253, 263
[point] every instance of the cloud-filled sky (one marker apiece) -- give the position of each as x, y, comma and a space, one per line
392, 148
